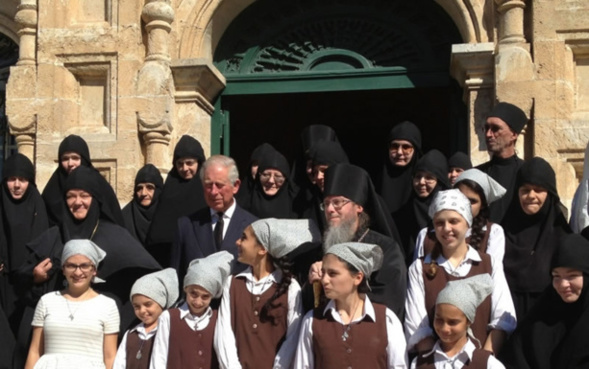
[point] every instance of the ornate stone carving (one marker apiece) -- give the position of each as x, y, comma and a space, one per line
511, 22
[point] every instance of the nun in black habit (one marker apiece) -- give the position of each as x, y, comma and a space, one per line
429, 177
554, 333
137, 214
274, 193
248, 181
23, 219
394, 183
531, 239
179, 197
53, 192
302, 166
126, 259
388, 286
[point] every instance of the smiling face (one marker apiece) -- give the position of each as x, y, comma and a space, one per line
532, 198
451, 325
339, 210
78, 271
424, 183
249, 250
78, 203
271, 181
17, 186
401, 152
337, 280
198, 299
450, 230
568, 283
146, 310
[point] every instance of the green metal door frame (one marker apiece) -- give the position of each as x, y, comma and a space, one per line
308, 82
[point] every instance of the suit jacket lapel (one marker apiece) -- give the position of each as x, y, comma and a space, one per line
204, 234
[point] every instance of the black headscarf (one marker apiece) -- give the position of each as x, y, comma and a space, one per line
413, 216
355, 184
459, 160
138, 217
530, 240
554, 333
54, 190
179, 197
25, 218
280, 205
310, 135
248, 182
394, 184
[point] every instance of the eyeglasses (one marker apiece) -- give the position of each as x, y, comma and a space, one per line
71, 267
492, 127
406, 148
427, 178
337, 204
277, 177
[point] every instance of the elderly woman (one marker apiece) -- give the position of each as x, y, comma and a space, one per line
75, 327
554, 334
274, 194
86, 218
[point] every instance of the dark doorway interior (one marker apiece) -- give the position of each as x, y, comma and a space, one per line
362, 120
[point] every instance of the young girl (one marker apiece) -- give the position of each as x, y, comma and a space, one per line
261, 307
452, 258
185, 337
150, 295
350, 331
481, 190
76, 327
456, 308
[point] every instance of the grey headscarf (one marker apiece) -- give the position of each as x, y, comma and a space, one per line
210, 273
365, 257
281, 236
161, 287
451, 200
491, 188
467, 294
86, 248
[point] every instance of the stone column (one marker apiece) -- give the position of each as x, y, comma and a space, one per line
511, 21
22, 84
472, 66
155, 86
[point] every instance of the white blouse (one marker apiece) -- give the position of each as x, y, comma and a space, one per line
417, 325
121, 357
224, 340
443, 361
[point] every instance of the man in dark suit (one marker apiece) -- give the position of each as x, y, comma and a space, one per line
217, 226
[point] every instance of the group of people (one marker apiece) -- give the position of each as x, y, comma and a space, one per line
440, 265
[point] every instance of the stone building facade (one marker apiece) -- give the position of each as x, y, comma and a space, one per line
132, 76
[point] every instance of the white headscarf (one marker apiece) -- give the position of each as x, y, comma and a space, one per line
451, 200
579, 208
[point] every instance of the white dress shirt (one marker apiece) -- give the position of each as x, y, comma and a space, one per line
121, 357
396, 353
159, 354
495, 243
417, 325
226, 217
443, 361
224, 341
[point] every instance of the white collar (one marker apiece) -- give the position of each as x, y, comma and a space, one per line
367, 311
275, 276
227, 214
471, 254
467, 350
185, 313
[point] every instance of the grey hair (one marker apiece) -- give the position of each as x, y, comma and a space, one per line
223, 161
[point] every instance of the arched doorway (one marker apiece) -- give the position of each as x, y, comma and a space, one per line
8, 58
359, 67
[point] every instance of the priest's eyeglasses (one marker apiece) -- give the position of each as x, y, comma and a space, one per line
71, 267
405, 147
337, 204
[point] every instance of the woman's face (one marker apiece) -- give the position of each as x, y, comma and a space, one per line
424, 183
473, 197
401, 152
79, 272
271, 181
78, 202
450, 228
532, 198
451, 325
17, 186
70, 160
249, 249
338, 282
568, 283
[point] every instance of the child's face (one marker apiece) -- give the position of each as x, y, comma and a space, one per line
338, 282
248, 248
198, 299
451, 326
147, 310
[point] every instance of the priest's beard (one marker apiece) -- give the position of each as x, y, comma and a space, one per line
344, 232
